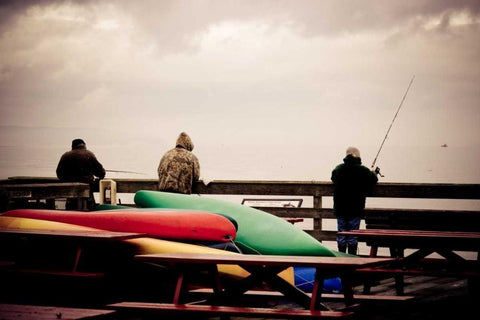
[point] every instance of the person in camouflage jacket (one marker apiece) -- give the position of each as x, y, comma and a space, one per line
179, 168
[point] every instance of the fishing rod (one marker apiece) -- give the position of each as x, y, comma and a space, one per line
377, 169
120, 171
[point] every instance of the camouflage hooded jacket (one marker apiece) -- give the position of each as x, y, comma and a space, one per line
179, 167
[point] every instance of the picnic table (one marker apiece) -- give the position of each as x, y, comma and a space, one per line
423, 243
78, 238
264, 270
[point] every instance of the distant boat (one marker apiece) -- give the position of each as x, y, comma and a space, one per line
444, 145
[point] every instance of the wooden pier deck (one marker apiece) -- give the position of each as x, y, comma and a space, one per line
435, 298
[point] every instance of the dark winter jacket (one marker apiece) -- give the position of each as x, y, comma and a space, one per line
352, 183
79, 165
179, 168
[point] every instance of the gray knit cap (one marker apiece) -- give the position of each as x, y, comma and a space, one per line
354, 152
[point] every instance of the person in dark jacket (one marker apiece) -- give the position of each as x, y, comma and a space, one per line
352, 183
79, 165
179, 168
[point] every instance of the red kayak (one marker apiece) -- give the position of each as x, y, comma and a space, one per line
174, 224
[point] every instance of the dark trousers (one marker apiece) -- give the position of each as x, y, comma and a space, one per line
350, 242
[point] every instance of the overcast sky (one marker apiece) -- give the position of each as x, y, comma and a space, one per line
244, 72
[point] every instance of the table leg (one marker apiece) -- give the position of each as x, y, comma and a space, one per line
270, 276
347, 286
77, 258
368, 282
216, 284
316, 291
178, 287
399, 279
373, 251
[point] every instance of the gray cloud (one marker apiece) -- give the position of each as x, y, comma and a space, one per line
70, 70
171, 20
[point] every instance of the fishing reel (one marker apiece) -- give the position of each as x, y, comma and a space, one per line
378, 173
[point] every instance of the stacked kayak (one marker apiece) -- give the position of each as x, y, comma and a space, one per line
258, 232
182, 225
142, 245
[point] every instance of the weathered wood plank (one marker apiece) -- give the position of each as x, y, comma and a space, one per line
299, 188
192, 310
299, 212
46, 190
28, 312
325, 296
442, 220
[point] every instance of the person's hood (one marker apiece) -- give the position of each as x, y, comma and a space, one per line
184, 141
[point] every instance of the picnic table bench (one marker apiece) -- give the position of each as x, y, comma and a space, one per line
28, 312
423, 243
264, 270
79, 239
20, 195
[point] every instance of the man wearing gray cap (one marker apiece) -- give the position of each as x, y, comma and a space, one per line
352, 183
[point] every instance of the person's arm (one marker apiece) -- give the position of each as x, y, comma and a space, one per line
60, 169
97, 167
196, 169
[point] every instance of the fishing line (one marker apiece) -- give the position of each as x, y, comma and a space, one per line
235, 246
305, 281
253, 249
377, 170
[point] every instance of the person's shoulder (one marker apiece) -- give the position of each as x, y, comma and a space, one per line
174, 150
68, 153
170, 154
87, 152
339, 166
366, 170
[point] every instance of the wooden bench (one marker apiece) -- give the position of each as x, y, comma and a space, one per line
193, 310
415, 219
424, 243
204, 293
27, 312
427, 220
21, 195
264, 270
77, 238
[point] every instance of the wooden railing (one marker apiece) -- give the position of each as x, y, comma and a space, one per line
318, 190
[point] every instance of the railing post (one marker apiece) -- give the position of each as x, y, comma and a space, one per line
317, 204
